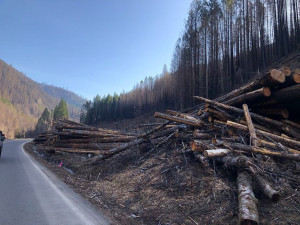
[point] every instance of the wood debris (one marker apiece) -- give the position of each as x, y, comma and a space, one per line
243, 129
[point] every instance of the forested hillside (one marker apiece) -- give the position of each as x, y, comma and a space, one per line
22, 101
224, 45
58, 92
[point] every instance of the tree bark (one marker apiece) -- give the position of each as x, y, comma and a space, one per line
254, 140
248, 213
195, 122
249, 96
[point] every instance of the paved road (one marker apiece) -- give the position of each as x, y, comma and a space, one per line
31, 195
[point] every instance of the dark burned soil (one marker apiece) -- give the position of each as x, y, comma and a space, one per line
167, 185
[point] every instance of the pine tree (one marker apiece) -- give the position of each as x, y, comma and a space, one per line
61, 111
44, 122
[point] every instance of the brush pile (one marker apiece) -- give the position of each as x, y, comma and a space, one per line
250, 130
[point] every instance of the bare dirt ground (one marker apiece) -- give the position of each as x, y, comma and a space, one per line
145, 185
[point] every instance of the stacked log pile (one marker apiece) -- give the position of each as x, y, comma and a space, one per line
73, 137
244, 129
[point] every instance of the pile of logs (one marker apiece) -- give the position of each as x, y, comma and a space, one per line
73, 137
242, 129
226, 130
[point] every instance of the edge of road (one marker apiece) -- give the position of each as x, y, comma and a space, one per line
81, 205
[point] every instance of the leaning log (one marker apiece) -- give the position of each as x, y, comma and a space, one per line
195, 122
263, 119
273, 77
248, 213
285, 95
254, 139
284, 140
262, 151
249, 96
267, 188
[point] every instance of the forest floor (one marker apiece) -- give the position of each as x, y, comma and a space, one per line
165, 186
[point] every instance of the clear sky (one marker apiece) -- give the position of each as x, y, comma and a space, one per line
90, 46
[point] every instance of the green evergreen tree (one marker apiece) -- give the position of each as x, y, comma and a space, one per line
61, 111
44, 122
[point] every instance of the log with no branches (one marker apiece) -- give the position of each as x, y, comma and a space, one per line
199, 146
273, 77
274, 111
262, 151
285, 95
243, 162
250, 96
267, 189
248, 213
284, 140
195, 122
254, 139
272, 122
273, 145
216, 152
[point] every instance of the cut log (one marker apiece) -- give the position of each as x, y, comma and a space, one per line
248, 213
250, 96
201, 135
272, 122
273, 77
272, 145
182, 115
267, 189
261, 133
218, 114
199, 146
254, 140
195, 122
216, 152
274, 111
292, 124
286, 71
285, 95
262, 151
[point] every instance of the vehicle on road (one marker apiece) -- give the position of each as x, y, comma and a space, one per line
2, 138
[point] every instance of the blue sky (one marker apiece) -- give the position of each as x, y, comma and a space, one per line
90, 46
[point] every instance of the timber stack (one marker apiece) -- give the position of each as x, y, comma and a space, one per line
246, 129
73, 137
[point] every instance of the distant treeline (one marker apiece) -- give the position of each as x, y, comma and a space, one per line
224, 44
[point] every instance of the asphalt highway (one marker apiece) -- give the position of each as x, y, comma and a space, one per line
32, 195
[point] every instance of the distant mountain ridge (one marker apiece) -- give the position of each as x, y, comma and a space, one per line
22, 100
70, 97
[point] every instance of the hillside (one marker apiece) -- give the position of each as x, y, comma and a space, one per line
70, 97
23, 100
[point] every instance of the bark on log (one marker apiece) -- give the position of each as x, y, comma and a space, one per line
272, 145
181, 115
248, 213
273, 77
216, 152
285, 95
261, 133
201, 135
199, 146
274, 111
254, 140
195, 122
249, 96
267, 189
262, 151
272, 122
292, 124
